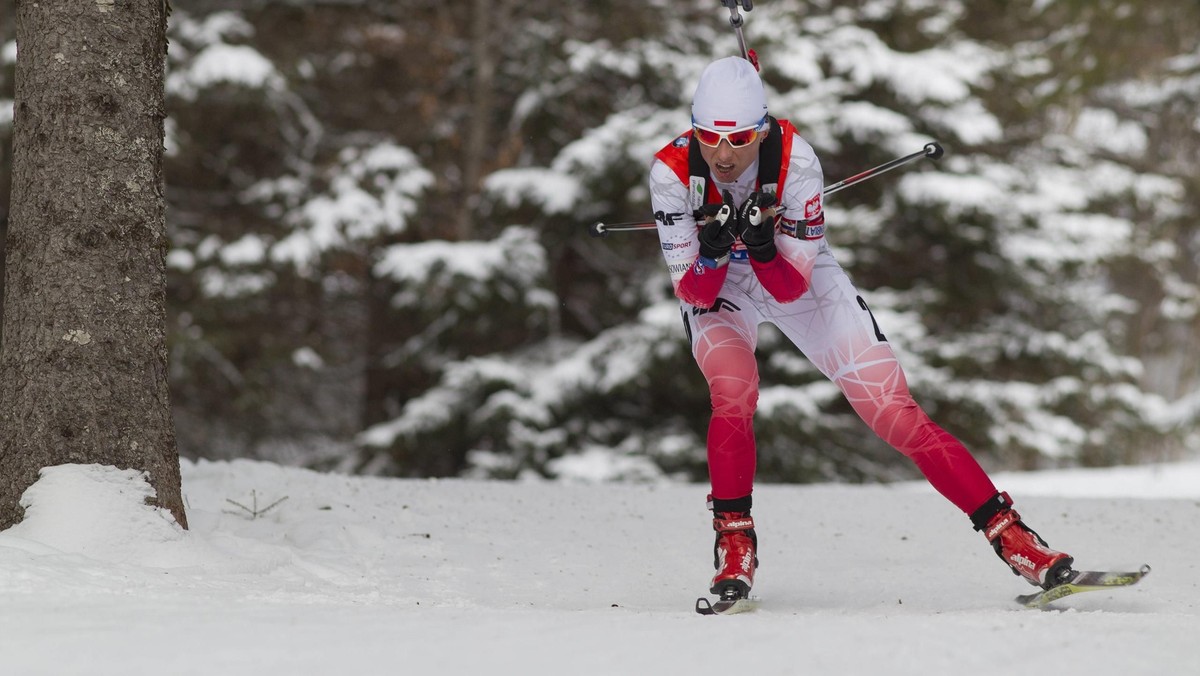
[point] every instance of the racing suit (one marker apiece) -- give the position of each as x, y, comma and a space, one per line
829, 322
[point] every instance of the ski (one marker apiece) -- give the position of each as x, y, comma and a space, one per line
726, 606
1080, 581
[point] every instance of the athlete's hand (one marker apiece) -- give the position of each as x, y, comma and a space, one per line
757, 223
719, 230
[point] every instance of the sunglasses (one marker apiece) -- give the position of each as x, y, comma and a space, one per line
738, 138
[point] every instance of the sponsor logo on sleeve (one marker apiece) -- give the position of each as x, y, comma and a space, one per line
696, 187
680, 141
667, 218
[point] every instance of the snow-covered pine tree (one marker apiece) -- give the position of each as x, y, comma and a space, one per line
1040, 280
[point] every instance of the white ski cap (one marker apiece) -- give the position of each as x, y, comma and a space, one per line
729, 96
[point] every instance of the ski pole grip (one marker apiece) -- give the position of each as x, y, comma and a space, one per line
933, 150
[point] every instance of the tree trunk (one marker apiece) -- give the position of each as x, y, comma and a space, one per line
491, 24
83, 366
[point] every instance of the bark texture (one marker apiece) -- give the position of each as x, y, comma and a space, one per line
83, 365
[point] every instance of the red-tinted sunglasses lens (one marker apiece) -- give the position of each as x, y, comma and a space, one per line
707, 136
737, 139
745, 137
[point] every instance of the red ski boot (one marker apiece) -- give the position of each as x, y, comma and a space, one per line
735, 551
1025, 552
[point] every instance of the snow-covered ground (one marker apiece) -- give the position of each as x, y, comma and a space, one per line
354, 575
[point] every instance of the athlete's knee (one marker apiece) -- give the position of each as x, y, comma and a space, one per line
734, 396
898, 421
907, 428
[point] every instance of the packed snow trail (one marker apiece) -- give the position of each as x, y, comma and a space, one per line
379, 576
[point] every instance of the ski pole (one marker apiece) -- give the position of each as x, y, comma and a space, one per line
736, 21
932, 150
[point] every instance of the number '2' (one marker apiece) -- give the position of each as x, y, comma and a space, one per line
878, 334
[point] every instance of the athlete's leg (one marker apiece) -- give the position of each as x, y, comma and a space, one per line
833, 326
723, 341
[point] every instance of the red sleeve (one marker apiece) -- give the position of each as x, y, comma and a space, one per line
700, 285
783, 281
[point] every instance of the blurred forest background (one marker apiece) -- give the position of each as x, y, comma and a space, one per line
380, 263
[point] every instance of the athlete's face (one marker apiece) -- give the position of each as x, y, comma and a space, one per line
728, 163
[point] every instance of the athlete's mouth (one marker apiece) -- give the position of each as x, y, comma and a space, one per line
724, 168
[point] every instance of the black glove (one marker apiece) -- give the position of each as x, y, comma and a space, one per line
719, 231
757, 226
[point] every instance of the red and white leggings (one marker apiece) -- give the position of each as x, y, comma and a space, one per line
833, 327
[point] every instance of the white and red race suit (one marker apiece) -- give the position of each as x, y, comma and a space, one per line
824, 315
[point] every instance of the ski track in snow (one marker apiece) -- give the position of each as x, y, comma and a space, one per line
354, 575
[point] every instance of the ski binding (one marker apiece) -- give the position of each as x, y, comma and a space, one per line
731, 602
1079, 581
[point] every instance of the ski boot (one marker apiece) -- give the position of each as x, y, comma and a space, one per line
735, 550
1025, 552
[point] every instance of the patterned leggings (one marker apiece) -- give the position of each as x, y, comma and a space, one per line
832, 326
